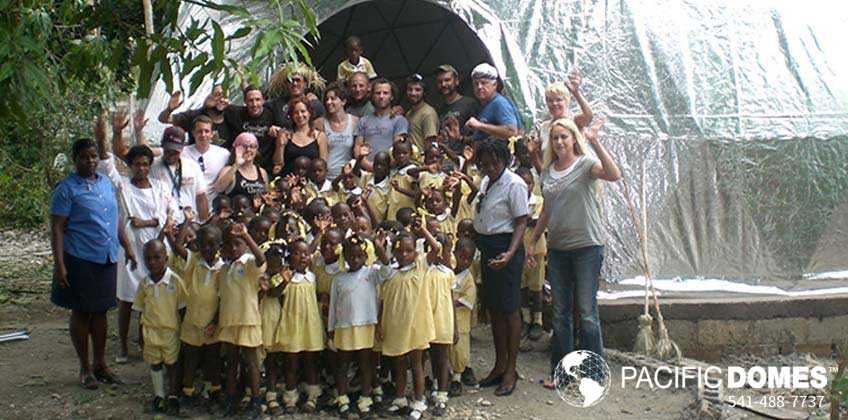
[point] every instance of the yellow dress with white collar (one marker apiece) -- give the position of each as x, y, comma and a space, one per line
300, 327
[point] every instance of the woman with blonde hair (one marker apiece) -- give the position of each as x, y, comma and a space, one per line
572, 214
557, 98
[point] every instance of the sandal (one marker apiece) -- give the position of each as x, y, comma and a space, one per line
88, 382
105, 375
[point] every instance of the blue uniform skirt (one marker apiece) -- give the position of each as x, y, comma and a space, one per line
501, 289
91, 286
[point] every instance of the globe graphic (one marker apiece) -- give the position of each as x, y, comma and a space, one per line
582, 378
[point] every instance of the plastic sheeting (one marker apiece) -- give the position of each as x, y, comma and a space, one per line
737, 111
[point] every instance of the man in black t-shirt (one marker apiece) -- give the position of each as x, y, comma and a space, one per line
213, 107
254, 118
447, 80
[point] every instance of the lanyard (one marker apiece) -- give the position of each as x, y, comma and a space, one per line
176, 180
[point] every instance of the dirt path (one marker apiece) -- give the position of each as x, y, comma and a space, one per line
38, 377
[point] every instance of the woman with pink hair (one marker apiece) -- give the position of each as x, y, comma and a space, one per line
243, 176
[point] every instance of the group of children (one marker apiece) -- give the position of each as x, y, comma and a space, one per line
377, 268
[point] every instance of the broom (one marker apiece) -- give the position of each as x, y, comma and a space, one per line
665, 347
645, 337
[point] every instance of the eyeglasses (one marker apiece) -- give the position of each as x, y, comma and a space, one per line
200, 162
250, 146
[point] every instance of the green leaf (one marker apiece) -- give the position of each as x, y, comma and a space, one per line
167, 74
240, 33
197, 78
218, 43
145, 75
6, 71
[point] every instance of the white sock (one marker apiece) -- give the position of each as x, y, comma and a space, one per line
525, 314
457, 377
158, 379
537, 318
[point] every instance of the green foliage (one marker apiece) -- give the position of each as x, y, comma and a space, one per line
60, 60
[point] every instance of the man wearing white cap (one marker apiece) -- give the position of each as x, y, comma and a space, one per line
497, 117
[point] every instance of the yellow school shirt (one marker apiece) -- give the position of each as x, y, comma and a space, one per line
239, 292
430, 180
177, 264
325, 191
324, 273
440, 279
398, 200
271, 311
345, 69
407, 318
535, 204
379, 198
447, 223
201, 289
159, 304
343, 194
465, 291
300, 328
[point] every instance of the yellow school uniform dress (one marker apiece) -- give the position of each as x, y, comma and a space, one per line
239, 319
430, 180
271, 312
465, 291
534, 277
300, 328
447, 223
398, 200
325, 190
440, 280
354, 307
343, 194
379, 198
201, 298
407, 319
466, 210
159, 304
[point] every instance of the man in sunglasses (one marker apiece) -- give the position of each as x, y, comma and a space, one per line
422, 118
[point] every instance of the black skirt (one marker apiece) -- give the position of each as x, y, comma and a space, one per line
501, 289
91, 286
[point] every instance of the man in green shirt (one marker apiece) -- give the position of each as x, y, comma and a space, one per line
423, 120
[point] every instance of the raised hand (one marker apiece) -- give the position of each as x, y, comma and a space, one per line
467, 152
100, 127
120, 119
238, 229
591, 132
323, 222
365, 150
138, 120
574, 80
175, 101
240, 160
190, 214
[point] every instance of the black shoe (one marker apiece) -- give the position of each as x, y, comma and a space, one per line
254, 409
525, 329
190, 401
215, 404
428, 385
503, 391
536, 332
157, 405
468, 378
455, 389
231, 406
172, 406
490, 382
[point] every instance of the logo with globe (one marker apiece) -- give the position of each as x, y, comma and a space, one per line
582, 378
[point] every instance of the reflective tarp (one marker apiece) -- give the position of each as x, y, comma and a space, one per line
738, 112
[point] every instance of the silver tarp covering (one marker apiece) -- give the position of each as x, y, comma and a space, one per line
737, 111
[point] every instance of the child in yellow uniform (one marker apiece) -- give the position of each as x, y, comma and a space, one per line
464, 298
271, 312
406, 321
437, 206
354, 62
317, 184
533, 280
204, 270
402, 193
239, 319
159, 301
345, 185
432, 176
300, 334
467, 193
353, 318
377, 187
465, 229
440, 280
